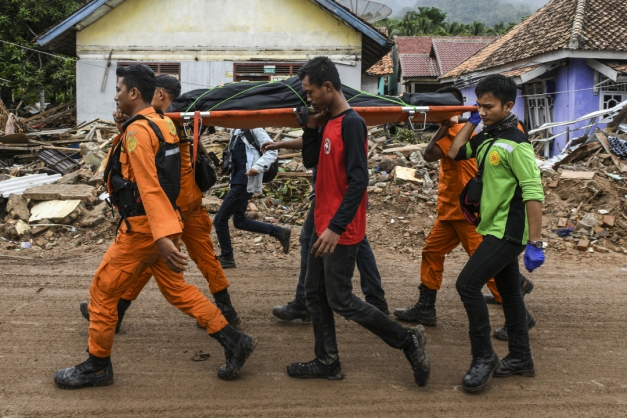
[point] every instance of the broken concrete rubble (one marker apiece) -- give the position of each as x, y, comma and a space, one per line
58, 211
82, 192
17, 207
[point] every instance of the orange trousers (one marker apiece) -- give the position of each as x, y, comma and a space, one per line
197, 239
129, 256
443, 238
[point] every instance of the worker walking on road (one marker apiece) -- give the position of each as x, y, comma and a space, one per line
508, 197
339, 150
197, 224
451, 227
248, 166
143, 180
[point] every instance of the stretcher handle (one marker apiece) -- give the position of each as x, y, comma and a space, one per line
196, 139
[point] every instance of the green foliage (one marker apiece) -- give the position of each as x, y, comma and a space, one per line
432, 21
28, 72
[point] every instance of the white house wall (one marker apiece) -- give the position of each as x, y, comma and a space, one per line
207, 37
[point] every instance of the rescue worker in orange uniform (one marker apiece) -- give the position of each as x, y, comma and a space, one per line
451, 227
143, 181
197, 224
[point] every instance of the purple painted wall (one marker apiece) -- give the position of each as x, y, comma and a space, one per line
574, 98
519, 107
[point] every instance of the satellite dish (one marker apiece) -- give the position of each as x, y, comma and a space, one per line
370, 11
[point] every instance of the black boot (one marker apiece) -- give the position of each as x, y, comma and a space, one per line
284, 239
237, 348
501, 333
416, 353
510, 366
292, 311
480, 372
316, 369
423, 311
96, 371
526, 285
223, 302
227, 261
122, 307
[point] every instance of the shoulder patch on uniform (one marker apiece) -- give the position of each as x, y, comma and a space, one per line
171, 127
494, 158
131, 143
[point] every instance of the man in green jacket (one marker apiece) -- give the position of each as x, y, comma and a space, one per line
510, 222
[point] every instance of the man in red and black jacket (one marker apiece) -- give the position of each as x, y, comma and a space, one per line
339, 150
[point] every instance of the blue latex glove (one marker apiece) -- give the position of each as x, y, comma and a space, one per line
534, 258
474, 117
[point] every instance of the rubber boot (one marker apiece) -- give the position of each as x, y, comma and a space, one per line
96, 371
223, 302
122, 307
237, 348
423, 311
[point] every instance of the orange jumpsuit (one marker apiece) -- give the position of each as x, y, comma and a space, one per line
451, 227
135, 250
196, 233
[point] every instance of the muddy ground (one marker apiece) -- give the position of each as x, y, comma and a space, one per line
579, 345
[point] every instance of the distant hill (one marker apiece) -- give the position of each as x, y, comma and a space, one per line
489, 12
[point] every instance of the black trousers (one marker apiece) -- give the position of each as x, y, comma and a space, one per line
328, 289
496, 258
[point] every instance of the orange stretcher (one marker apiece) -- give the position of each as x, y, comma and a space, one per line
417, 117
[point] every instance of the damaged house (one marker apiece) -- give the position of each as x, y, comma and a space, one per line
208, 43
569, 59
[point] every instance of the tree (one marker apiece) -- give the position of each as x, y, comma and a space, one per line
29, 71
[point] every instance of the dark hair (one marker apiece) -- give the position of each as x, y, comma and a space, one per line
454, 91
141, 77
320, 70
501, 87
170, 84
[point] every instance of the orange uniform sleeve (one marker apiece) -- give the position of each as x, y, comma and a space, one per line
141, 149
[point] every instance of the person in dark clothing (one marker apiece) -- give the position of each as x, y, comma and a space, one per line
366, 262
510, 217
339, 150
246, 179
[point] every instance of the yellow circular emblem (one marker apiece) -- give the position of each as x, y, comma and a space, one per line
131, 143
171, 127
495, 158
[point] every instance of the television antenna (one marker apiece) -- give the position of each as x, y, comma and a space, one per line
370, 11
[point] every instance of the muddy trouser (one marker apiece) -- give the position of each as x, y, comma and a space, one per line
366, 264
129, 256
328, 289
443, 238
496, 258
197, 239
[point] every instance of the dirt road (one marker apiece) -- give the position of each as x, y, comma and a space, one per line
579, 347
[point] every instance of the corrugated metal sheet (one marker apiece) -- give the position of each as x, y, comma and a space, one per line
19, 184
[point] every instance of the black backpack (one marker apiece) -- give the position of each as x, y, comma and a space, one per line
227, 158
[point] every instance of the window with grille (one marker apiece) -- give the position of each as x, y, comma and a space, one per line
610, 92
171, 68
538, 105
262, 71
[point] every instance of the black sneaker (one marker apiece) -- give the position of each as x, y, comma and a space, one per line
315, 369
510, 366
284, 239
292, 311
480, 372
501, 333
416, 354
93, 372
227, 261
382, 306
490, 300
85, 310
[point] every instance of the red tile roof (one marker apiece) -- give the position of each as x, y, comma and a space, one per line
428, 56
419, 65
385, 66
620, 66
592, 25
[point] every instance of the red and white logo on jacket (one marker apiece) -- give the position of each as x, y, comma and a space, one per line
327, 146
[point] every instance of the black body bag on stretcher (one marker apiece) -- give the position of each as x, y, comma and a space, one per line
470, 197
